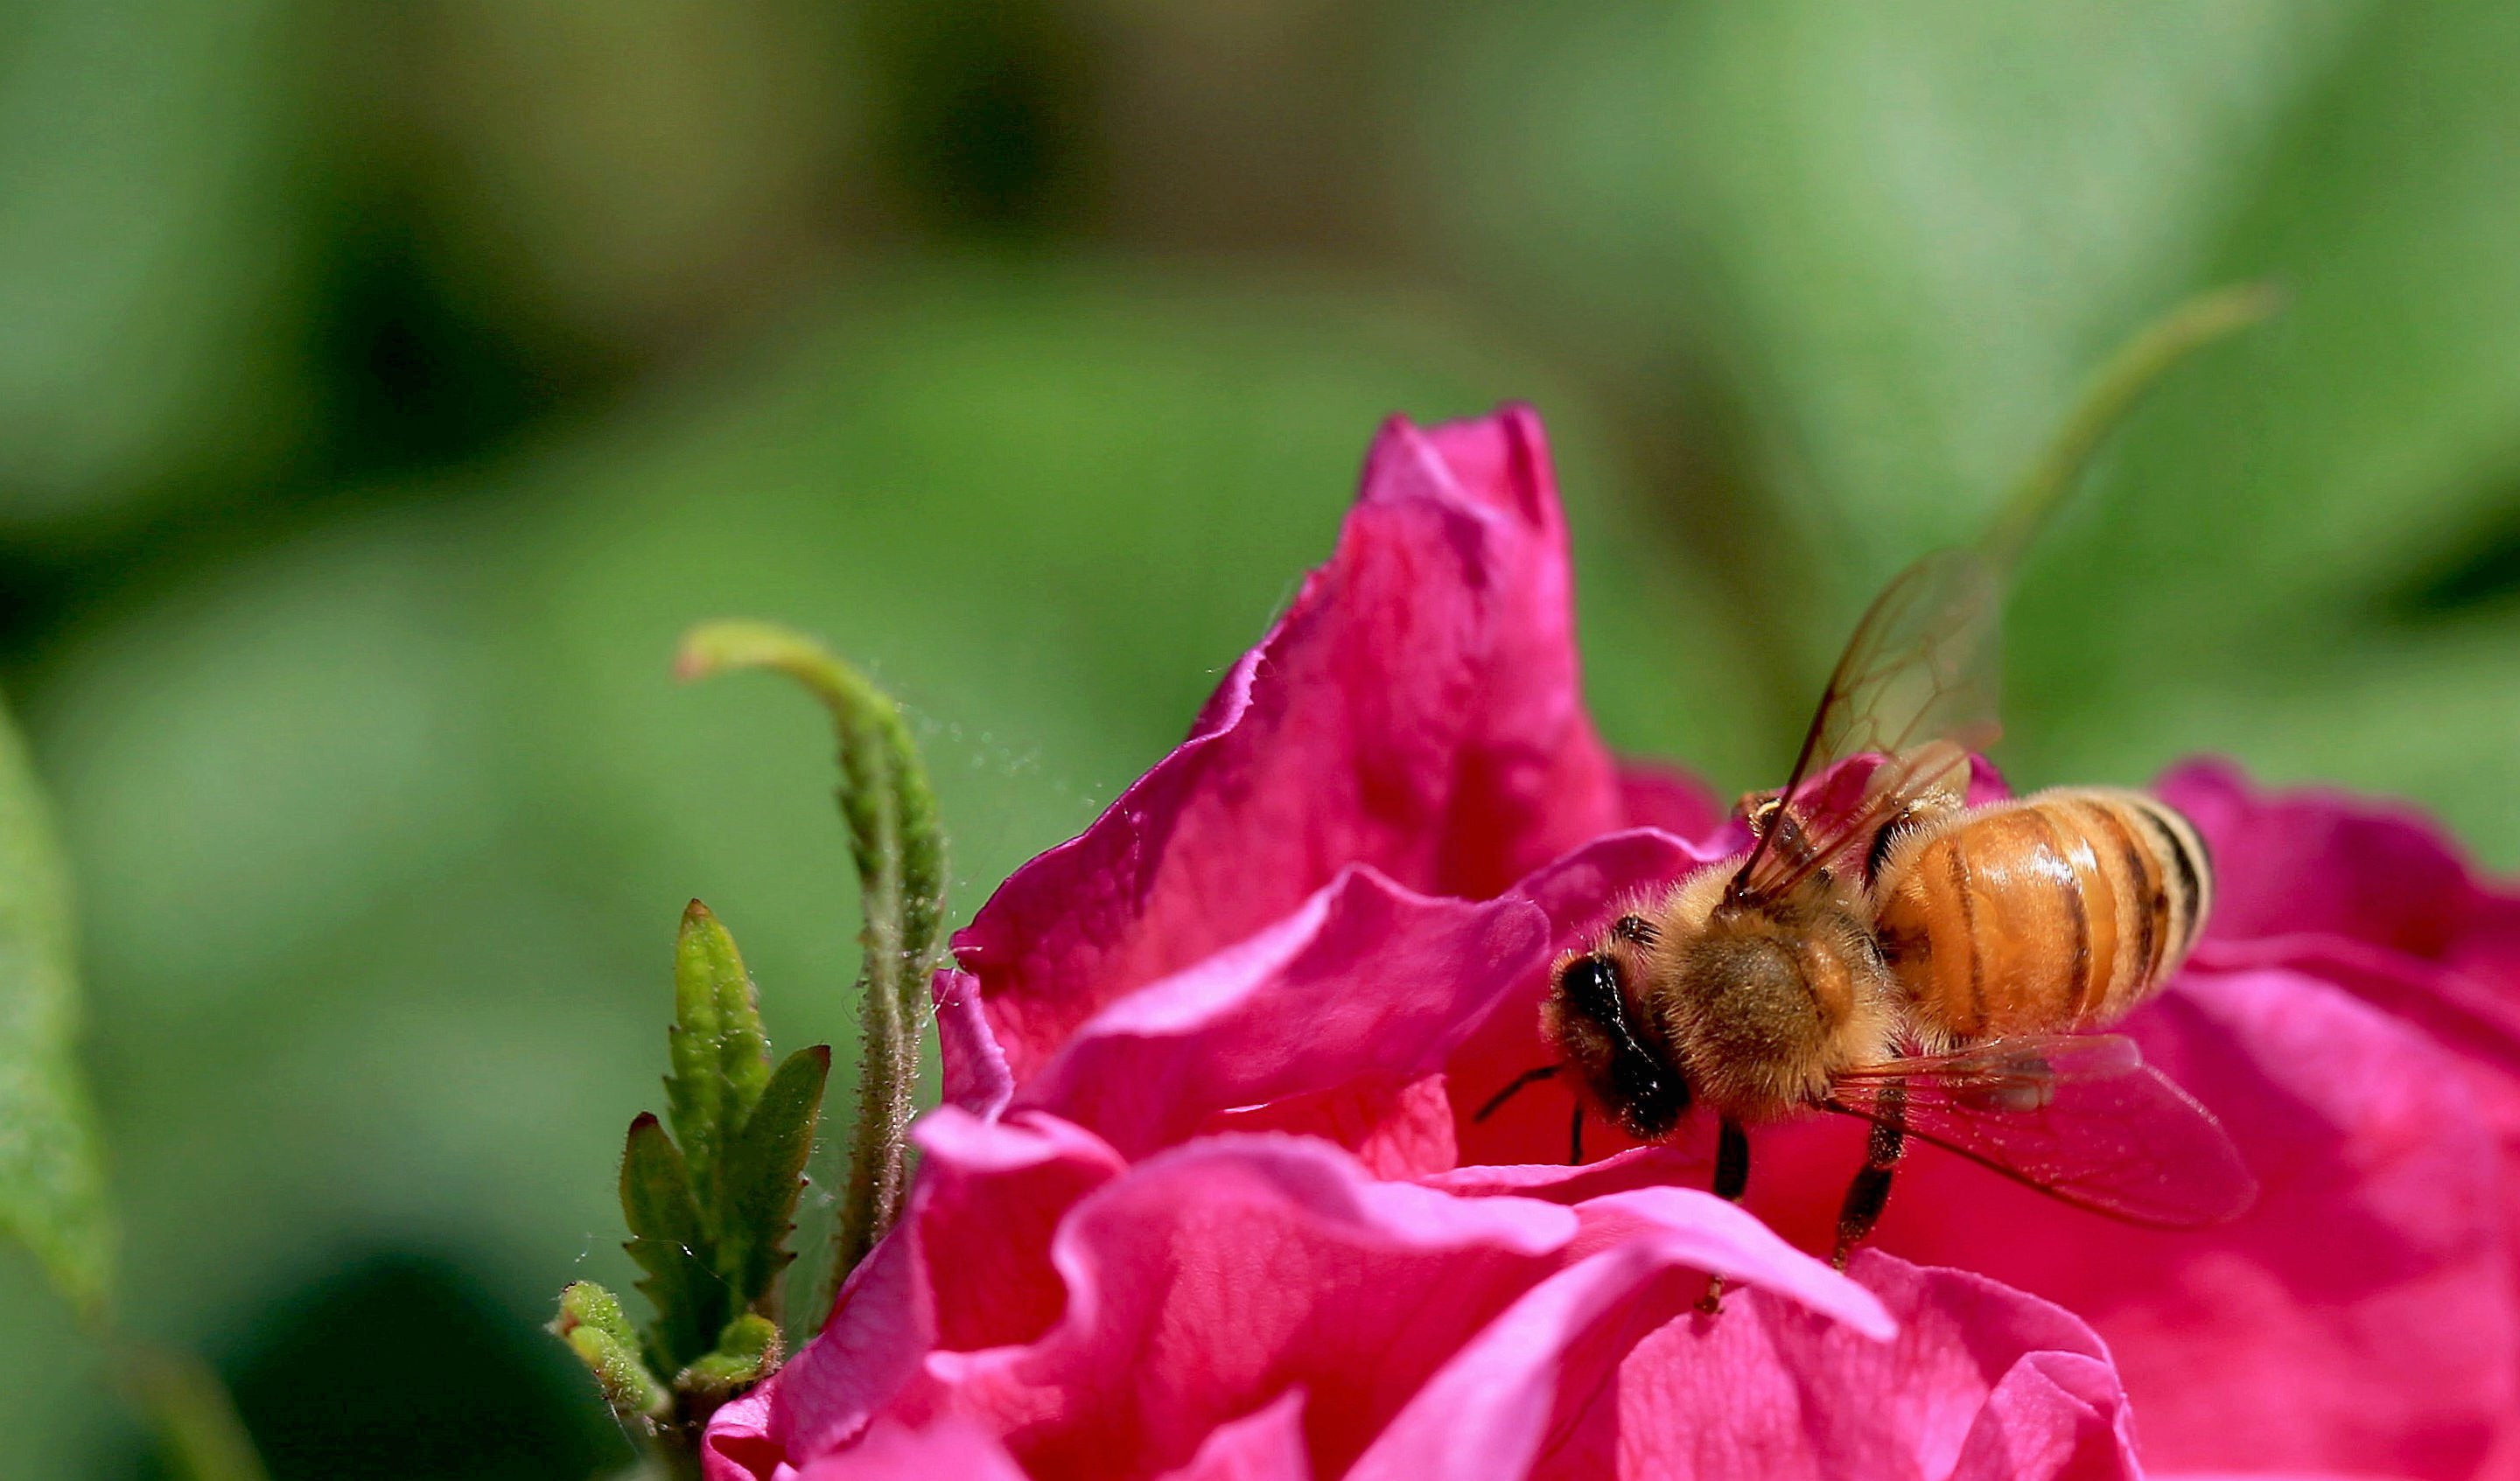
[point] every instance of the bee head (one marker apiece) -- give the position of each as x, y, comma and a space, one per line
1591, 1019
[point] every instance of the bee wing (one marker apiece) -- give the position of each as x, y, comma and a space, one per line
2080, 1117
1916, 686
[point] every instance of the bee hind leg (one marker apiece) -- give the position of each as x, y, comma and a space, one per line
1731, 1180
1871, 1190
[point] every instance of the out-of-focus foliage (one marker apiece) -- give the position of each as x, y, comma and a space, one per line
1899, 236
147, 251
52, 1185
386, 387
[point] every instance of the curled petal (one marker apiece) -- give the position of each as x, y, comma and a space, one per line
2320, 863
1535, 1371
1221, 1276
891, 1453
1264, 1445
1416, 710
969, 1265
1977, 1377
1654, 1166
976, 1074
1365, 982
2359, 1318
2053, 1414
1399, 1129
1492, 1408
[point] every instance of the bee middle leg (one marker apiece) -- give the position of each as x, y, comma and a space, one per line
1731, 1180
1867, 1195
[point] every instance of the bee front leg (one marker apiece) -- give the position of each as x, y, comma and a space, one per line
1731, 1162
1870, 1190
1731, 1180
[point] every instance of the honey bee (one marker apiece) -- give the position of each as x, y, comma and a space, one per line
1885, 950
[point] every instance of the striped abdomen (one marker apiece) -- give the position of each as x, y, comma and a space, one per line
2053, 911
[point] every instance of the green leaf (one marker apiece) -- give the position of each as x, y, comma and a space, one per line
592, 1323
720, 1054
670, 1242
52, 1182
899, 848
765, 1167
746, 1353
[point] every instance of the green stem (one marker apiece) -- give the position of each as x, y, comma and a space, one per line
199, 1435
2139, 365
898, 847
676, 1454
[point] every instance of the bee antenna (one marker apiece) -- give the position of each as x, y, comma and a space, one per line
1497, 1101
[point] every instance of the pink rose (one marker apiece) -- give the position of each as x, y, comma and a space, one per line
1208, 1199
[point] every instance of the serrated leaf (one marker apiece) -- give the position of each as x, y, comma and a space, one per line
720, 1054
765, 1169
897, 842
52, 1181
669, 1243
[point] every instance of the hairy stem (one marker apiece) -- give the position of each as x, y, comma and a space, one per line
2139, 365
898, 846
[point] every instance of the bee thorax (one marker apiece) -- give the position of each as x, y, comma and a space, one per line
1762, 1017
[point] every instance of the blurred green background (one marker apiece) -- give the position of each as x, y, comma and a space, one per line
383, 386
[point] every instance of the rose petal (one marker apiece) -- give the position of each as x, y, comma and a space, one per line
969, 1265
951, 1451
2053, 1414
2377, 901
1398, 1129
2360, 1316
1707, 1233
976, 1073
2319, 862
740, 1446
1535, 779
1489, 1412
1238, 1269
1661, 1165
1266, 1445
1365, 980
1416, 710
1225, 1273
992, 1196
1769, 1389
1665, 797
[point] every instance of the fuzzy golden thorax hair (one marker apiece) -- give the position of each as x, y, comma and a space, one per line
1748, 1008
